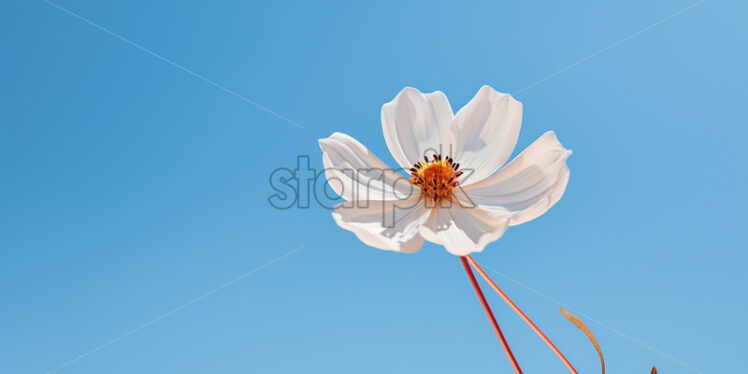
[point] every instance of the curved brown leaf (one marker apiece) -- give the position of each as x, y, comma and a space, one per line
580, 325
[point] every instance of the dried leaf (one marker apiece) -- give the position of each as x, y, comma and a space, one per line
580, 325
654, 370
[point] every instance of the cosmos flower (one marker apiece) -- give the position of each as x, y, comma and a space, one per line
457, 195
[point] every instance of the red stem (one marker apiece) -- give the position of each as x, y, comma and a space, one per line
491, 317
521, 314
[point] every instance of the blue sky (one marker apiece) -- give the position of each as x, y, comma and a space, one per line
131, 187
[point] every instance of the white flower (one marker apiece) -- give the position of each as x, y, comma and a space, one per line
438, 203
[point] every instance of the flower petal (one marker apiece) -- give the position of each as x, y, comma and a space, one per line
416, 124
484, 133
463, 229
390, 225
529, 185
355, 173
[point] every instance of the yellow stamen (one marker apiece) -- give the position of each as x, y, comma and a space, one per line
436, 178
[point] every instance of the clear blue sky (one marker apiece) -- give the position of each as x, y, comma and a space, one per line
130, 187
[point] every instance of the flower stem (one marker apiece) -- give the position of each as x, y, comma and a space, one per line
491, 317
521, 314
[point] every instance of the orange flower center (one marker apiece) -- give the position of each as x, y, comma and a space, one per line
436, 178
